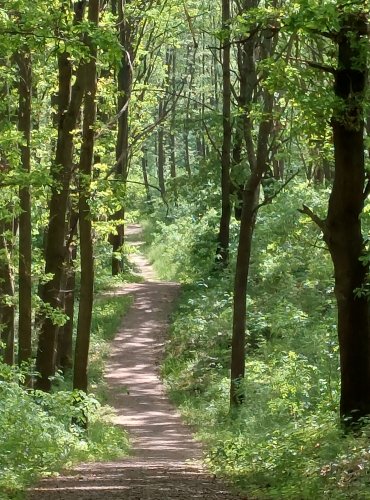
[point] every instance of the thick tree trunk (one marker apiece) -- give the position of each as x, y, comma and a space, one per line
80, 380
25, 240
55, 251
224, 230
342, 230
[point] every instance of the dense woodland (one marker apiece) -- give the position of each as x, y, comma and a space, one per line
238, 134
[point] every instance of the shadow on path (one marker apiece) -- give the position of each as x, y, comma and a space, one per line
166, 461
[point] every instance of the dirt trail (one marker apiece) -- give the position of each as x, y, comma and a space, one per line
165, 463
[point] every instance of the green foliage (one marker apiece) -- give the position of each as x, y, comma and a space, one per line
38, 438
286, 441
195, 237
107, 316
49, 440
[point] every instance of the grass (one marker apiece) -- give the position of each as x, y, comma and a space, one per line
108, 314
286, 441
49, 441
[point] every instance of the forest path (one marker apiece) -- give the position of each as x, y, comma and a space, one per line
165, 462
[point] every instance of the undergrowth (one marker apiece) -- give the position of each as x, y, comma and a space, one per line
38, 436
286, 440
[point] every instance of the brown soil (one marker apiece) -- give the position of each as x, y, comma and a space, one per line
165, 462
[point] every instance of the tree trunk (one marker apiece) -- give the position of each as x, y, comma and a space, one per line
171, 138
186, 150
122, 157
191, 72
161, 159
248, 81
25, 239
224, 231
258, 158
247, 224
55, 251
144, 166
7, 312
65, 335
86, 237
342, 230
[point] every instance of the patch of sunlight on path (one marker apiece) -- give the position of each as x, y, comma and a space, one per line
165, 462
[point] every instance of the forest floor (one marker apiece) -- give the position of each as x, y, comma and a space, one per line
165, 461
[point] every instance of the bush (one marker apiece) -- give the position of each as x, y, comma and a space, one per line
286, 441
37, 436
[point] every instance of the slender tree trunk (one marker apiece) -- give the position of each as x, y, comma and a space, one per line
247, 83
80, 380
328, 170
144, 166
64, 360
172, 140
172, 144
247, 224
25, 240
187, 150
161, 156
7, 312
342, 230
65, 334
55, 251
191, 72
258, 158
122, 156
224, 231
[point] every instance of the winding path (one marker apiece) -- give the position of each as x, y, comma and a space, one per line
165, 463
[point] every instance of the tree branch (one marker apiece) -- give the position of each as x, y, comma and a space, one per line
142, 184
269, 199
211, 139
315, 65
367, 190
314, 217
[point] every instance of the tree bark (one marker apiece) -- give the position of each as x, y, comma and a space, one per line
247, 225
342, 230
224, 230
171, 137
55, 251
161, 159
80, 380
122, 157
7, 312
258, 158
65, 334
191, 72
25, 240
144, 166
248, 82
